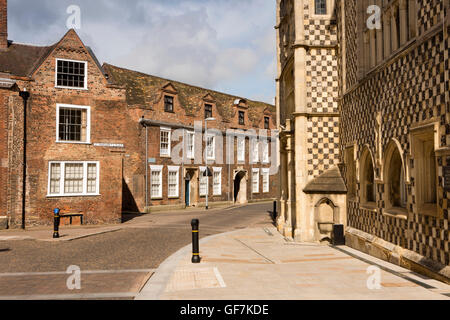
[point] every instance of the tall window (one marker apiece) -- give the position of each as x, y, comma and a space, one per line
210, 147
203, 182
425, 170
217, 181
320, 7
173, 182
71, 74
351, 171
255, 153
73, 123
241, 149
168, 104
367, 178
265, 180
255, 181
395, 176
165, 142
73, 178
265, 145
190, 146
156, 182
241, 117
208, 111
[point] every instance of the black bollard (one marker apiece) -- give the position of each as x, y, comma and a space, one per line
195, 246
274, 211
56, 220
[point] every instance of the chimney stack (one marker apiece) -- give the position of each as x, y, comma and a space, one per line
3, 24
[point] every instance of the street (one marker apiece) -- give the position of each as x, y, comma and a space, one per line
115, 264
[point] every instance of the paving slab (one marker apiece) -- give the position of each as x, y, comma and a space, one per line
259, 264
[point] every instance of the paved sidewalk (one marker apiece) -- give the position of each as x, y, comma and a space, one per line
259, 264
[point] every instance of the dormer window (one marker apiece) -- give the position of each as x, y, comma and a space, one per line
208, 111
266, 123
168, 104
241, 118
71, 74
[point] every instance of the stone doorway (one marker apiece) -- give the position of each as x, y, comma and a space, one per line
240, 187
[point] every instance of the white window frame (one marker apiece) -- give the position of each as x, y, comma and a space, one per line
241, 149
169, 147
62, 179
160, 170
85, 74
255, 172
88, 124
201, 179
177, 170
266, 157
190, 155
265, 176
217, 192
213, 157
256, 152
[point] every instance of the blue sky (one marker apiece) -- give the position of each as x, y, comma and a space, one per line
225, 45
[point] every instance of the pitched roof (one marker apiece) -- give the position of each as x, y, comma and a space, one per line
329, 182
21, 59
144, 90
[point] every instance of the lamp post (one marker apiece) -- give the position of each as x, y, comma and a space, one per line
25, 95
206, 159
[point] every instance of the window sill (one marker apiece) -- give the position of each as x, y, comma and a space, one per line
72, 195
174, 197
396, 212
74, 142
372, 206
429, 210
164, 156
71, 88
159, 198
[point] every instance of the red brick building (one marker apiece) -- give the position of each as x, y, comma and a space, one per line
86, 132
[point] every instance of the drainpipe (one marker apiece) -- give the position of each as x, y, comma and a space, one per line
142, 122
25, 96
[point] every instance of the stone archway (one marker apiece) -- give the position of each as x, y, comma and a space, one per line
326, 217
240, 187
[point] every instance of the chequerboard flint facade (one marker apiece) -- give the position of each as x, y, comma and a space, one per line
86, 133
370, 108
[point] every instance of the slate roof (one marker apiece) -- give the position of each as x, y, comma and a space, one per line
329, 182
144, 90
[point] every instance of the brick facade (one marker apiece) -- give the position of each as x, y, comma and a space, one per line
101, 171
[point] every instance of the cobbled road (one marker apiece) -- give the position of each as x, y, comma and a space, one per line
113, 265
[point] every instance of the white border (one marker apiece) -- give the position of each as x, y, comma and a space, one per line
160, 170
169, 150
88, 120
85, 74
218, 170
177, 170
61, 180
255, 172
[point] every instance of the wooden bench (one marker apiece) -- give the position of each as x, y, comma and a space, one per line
72, 215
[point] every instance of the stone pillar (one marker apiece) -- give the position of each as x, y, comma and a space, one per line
290, 202
394, 26
387, 34
373, 49
403, 22
379, 33
283, 188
